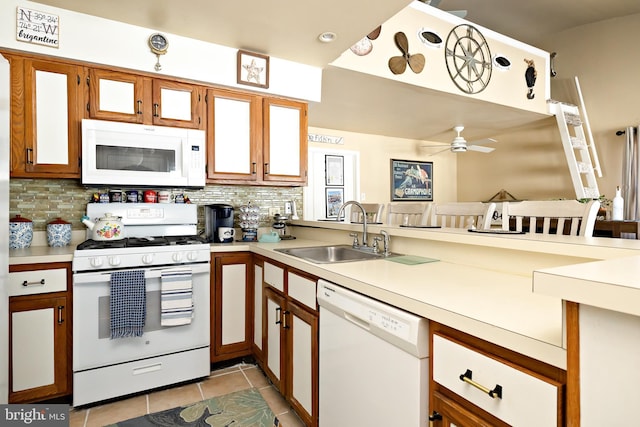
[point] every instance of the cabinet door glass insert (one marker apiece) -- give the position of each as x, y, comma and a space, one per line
175, 104
232, 135
284, 140
117, 97
52, 119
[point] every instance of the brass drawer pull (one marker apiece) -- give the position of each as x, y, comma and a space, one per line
35, 283
496, 392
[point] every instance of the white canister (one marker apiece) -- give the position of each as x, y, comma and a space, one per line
58, 233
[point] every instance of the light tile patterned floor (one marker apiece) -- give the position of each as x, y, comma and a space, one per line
220, 382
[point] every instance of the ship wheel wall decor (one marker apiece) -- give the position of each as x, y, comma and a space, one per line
468, 59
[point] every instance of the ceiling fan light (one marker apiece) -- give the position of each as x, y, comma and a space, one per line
458, 148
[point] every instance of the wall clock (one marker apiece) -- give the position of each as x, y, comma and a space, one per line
468, 59
158, 44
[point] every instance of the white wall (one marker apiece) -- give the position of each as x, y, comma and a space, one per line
92, 39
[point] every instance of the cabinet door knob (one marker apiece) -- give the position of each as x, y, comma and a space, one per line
434, 417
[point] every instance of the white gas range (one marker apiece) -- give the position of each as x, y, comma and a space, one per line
171, 343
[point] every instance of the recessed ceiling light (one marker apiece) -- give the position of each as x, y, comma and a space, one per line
327, 37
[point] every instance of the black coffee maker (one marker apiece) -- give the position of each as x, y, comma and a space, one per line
218, 223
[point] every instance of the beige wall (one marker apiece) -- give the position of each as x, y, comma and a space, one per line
530, 164
376, 153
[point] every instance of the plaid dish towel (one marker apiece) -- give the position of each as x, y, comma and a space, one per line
127, 303
176, 297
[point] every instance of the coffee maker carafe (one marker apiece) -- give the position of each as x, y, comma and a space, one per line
218, 223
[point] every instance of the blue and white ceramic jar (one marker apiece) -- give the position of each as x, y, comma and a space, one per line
58, 233
20, 232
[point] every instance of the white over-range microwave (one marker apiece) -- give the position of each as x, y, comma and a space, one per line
115, 153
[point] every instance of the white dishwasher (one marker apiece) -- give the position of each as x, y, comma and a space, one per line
373, 362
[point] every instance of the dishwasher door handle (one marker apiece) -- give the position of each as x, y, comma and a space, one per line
357, 321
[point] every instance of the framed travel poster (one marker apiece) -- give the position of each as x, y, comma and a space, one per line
411, 181
335, 199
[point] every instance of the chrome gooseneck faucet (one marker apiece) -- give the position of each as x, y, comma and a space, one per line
364, 219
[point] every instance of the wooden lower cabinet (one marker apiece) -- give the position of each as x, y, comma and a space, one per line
476, 383
290, 340
232, 306
40, 332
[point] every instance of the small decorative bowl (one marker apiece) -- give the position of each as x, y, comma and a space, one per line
58, 233
20, 232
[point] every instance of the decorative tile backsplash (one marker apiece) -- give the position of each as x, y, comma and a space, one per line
43, 200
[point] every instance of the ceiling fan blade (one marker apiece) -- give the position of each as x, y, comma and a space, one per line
482, 141
458, 13
397, 64
442, 150
480, 148
416, 62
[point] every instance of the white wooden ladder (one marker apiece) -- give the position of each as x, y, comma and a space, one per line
581, 154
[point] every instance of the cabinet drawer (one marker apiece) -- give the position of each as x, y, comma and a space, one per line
37, 282
526, 400
302, 290
274, 276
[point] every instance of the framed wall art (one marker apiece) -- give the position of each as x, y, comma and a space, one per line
334, 199
334, 170
411, 181
253, 69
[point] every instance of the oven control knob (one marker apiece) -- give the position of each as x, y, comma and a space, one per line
177, 257
147, 258
96, 262
114, 260
192, 256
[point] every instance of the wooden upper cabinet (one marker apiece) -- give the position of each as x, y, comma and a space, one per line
285, 140
251, 138
234, 136
125, 97
45, 118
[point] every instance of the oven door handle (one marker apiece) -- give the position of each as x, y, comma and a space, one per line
149, 273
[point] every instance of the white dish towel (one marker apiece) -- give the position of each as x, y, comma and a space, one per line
176, 297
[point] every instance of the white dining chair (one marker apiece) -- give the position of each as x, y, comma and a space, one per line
408, 213
463, 214
373, 210
569, 217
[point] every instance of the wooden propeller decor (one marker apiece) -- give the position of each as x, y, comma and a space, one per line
398, 64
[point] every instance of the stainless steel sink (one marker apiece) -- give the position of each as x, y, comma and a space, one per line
332, 254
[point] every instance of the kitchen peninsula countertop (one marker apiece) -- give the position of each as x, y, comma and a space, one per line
481, 284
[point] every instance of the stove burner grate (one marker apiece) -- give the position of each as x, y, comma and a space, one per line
137, 242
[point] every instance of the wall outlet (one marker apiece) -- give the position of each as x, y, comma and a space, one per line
287, 208
274, 211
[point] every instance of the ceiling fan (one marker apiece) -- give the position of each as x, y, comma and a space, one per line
436, 3
460, 145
